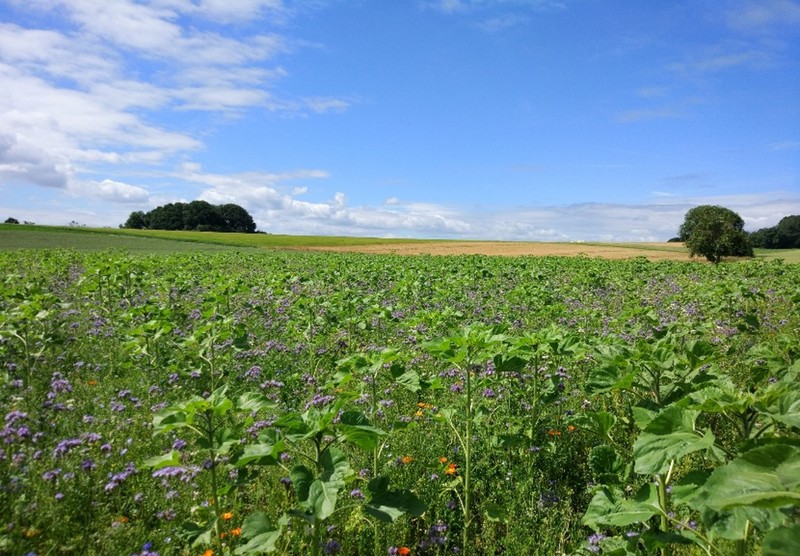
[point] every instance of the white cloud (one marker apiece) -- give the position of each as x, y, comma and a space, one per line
111, 191
22, 161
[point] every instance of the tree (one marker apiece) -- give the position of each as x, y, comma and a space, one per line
715, 232
236, 219
136, 221
197, 215
11, 220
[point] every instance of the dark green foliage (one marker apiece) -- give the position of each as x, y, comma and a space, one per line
786, 235
715, 232
11, 220
136, 221
197, 215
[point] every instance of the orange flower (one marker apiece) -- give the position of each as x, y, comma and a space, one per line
554, 432
452, 469
30, 533
407, 459
208, 552
227, 515
404, 551
92, 383
121, 519
236, 532
442, 459
571, 428
419, 413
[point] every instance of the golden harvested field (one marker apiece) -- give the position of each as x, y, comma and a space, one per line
652, 251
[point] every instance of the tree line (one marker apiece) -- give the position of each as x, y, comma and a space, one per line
197, 215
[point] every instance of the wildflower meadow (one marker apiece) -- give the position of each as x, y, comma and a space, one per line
238, 403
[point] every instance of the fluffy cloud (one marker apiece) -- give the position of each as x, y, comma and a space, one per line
21, 161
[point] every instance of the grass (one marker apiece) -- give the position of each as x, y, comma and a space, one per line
15, 237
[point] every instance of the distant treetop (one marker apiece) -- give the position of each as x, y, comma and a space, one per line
197, 215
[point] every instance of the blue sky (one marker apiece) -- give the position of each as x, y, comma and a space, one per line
541, 120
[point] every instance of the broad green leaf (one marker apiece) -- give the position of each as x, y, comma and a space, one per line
782, 541
613, 375
254, 401
265, 451
168, 419
410, 381
610, 507
782, 403
167, 460
766, 477
322, 498
668, 437
387, 506
606, 464
196, 535
355, 429
302, 478
688, 487
261, 534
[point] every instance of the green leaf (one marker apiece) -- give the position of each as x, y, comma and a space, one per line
322, 498
410, 381
254, 401
668, 437
167, 460
261, 533
168, 419
264, 452
782, 541
196, 535
765, 477
782, 403
301, 477
387, 506
609, 507
356, 430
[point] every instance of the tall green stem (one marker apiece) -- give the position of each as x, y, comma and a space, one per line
467, 465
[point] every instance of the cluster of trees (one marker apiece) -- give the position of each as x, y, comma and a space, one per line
197, 215
715, 232
786, 235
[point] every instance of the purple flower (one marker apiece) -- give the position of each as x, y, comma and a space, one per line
65, 446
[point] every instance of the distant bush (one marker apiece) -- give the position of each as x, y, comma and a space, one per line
11, 220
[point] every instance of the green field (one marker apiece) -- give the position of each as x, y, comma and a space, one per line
253, 401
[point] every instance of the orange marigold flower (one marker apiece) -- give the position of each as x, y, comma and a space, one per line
421, 405
227, 515
236, 532
92, 383
419, 413
571, 428
452, 469
407, 459
404, 551
554, 432
208, 552
121, 519
442, 459
32, 532
223, 535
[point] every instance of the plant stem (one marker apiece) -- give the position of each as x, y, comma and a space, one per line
467, 465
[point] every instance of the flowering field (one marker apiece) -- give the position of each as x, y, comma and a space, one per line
315, 403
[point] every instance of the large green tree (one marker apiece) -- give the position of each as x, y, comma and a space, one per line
715, 232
